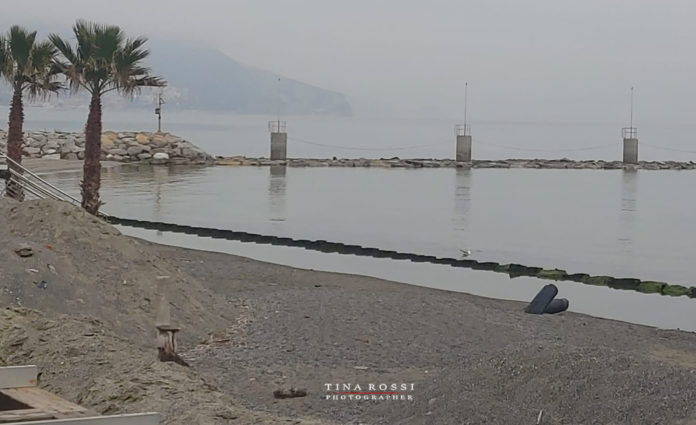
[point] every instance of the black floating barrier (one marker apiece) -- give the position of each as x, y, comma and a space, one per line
513, 270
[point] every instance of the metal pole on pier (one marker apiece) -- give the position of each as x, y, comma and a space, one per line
279, 137
630, 139
158, 112
463, 133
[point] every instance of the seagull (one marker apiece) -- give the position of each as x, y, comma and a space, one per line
465, 252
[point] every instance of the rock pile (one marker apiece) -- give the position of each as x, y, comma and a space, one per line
450, 163
157, 148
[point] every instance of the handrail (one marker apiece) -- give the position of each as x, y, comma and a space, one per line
27, 171
36, 186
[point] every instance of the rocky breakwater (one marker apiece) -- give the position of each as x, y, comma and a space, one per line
450, 163
156, 148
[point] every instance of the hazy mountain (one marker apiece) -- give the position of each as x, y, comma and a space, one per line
204, 78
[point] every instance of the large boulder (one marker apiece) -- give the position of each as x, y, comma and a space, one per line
51, 144
118, 151
108, 140
70, 147
31, 151
142, 138
135, 150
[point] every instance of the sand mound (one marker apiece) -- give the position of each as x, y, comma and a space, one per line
93, 334
82, 361
80, 264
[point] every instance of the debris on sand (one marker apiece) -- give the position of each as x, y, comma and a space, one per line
24, 251
290, 393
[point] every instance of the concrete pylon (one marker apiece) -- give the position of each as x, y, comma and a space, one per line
463, 152
279, 140
630, 145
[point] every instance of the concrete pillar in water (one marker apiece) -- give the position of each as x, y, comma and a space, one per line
279, 140
279, 146
463, 153
630, 145
464, 148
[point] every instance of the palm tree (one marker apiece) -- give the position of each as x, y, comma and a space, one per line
28, 66
102, 61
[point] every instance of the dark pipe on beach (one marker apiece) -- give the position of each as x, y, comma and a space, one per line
557, 305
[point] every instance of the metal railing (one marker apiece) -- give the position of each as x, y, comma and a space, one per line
22, 184
276, 126
629, 133
462, 129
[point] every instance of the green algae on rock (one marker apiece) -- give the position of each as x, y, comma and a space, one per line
552, 274
675, 290
599, 280
651, 287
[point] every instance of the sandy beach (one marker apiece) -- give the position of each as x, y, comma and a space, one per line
250, 328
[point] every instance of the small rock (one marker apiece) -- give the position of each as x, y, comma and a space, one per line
290, 393
24, 251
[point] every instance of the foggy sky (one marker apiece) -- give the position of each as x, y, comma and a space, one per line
544, 60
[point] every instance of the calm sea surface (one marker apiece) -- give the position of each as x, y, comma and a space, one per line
625, 224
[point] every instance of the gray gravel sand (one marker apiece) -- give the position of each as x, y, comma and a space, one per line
472, 360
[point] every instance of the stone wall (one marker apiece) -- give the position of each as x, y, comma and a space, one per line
157, 148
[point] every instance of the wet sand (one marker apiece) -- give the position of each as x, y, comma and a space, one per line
49, 166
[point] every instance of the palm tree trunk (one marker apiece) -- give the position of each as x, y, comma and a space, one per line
92, 167
14, 141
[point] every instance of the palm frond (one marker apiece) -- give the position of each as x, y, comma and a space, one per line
41, 82
108, 40
20, 42
85, 40
5, 63
28, 64
64, 48
103, 60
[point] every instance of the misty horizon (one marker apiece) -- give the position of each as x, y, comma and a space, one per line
541, 61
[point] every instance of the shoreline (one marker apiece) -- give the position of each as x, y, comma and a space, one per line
250, 328
513, 270
55, 166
